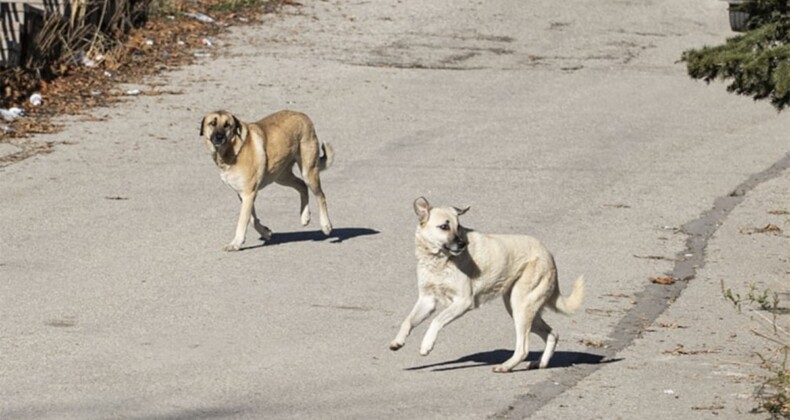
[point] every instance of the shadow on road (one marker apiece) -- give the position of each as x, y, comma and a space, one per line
495, 357
337, 236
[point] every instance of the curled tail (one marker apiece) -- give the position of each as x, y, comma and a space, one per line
328, 156
569, 304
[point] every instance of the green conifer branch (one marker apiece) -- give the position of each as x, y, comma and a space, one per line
755, 64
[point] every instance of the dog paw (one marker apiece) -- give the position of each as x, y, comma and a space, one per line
266, 233
327, 229
306, 217
231, 247
396, 345
501, 369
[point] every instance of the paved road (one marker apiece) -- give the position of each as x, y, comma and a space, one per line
568, 121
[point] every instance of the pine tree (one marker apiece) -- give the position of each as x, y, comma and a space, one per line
755, 64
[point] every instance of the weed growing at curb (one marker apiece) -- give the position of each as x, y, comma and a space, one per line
773, 394
752, 297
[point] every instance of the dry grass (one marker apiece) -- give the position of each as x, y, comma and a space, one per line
773, 394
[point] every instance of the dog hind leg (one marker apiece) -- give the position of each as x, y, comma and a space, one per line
523, 316
506, 299
525, 305
310, 174
544, 331
289, 179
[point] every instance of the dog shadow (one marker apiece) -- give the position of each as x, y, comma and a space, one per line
338, 235
496, 357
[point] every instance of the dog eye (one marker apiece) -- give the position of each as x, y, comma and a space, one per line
212, 123
445, 226
227, 124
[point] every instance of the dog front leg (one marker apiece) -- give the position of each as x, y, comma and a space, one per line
247, 201
448, 315
422, 309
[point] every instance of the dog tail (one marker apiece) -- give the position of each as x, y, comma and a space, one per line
569, 304
328, 156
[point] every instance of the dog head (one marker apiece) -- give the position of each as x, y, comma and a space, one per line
439, 229
220, 129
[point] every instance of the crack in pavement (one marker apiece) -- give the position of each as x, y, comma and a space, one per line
651, 302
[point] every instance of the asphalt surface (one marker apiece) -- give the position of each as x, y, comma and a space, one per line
572, 122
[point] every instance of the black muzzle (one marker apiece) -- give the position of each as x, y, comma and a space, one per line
460, 244
218, 139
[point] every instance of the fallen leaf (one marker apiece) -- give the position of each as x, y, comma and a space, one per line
769, 228
654, 257
710, 407
681, 350
663, 280
603, 312
671, 325
593, 343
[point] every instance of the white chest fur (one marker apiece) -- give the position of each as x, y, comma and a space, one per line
232, 179
446, 284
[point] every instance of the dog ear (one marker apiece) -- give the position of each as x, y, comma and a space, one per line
202, 123
462, 211
236, 126
422, 209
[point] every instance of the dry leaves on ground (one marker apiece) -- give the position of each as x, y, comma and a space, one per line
662, 280
681, 350
769, 228
671, 325
593, 343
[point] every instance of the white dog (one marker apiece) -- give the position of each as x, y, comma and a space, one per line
463, 269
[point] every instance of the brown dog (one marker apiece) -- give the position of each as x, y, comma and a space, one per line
251, 156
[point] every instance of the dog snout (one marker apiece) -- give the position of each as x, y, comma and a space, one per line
459, 242
218, 138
